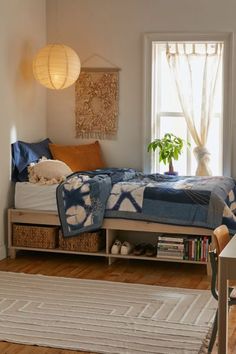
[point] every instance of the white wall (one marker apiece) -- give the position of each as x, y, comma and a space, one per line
114, 29
23, 101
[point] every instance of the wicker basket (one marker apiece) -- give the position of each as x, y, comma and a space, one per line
35, 236
85, 242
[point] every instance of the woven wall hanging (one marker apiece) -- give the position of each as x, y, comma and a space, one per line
96, 103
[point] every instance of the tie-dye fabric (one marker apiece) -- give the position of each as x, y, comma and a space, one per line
84, 199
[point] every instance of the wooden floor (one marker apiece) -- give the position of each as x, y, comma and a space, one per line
143, 272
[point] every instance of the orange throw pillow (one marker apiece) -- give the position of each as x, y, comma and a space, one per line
79, 157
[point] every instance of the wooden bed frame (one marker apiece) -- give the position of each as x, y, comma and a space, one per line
112, 226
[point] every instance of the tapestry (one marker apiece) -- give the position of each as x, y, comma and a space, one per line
96, 103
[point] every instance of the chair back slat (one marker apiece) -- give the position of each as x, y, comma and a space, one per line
220, 238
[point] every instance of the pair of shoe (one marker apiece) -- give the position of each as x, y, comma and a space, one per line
145, 249
121, 248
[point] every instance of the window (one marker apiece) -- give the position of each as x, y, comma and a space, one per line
168, 115
163, 111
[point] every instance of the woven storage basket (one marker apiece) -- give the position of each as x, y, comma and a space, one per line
85, 242
34, 236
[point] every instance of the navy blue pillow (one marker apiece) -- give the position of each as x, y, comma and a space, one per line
23, 154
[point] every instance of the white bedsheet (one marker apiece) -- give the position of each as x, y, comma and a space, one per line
35, 196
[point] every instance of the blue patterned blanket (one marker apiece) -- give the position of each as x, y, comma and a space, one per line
84, 199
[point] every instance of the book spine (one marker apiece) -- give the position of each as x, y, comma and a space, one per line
186, 252
207, 248
170, 246
204, 249
193, 250
198, 249
170, 239
170, 252
172, 256
189, 249
201, 256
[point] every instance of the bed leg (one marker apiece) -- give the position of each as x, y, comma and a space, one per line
12, 253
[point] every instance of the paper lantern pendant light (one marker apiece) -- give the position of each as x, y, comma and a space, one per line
56, 66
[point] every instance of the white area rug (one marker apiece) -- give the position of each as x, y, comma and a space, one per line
103, 317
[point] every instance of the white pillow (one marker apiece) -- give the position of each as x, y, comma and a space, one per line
48, 172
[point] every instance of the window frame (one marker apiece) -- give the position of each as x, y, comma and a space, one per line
227, 106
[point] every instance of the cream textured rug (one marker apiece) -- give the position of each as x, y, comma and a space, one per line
103, 317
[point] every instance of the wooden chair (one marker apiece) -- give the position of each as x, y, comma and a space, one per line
220, 238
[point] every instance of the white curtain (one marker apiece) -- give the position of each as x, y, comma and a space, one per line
195, 68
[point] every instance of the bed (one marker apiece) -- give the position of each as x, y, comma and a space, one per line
37, 204
124, 199
85, 199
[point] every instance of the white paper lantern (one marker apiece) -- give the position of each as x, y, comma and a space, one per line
56, 66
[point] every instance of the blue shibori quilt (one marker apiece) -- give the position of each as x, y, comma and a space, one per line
85, 198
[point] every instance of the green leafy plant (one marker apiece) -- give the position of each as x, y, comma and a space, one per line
170, 147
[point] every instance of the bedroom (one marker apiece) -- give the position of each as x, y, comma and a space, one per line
113, 30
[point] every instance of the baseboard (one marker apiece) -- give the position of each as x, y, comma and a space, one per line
3, 252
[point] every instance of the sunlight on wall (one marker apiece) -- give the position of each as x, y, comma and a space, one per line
13, 134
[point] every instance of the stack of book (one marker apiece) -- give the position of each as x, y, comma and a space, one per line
183, 247
196, 249
169, 246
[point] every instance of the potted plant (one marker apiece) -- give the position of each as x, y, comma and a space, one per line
170, 147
